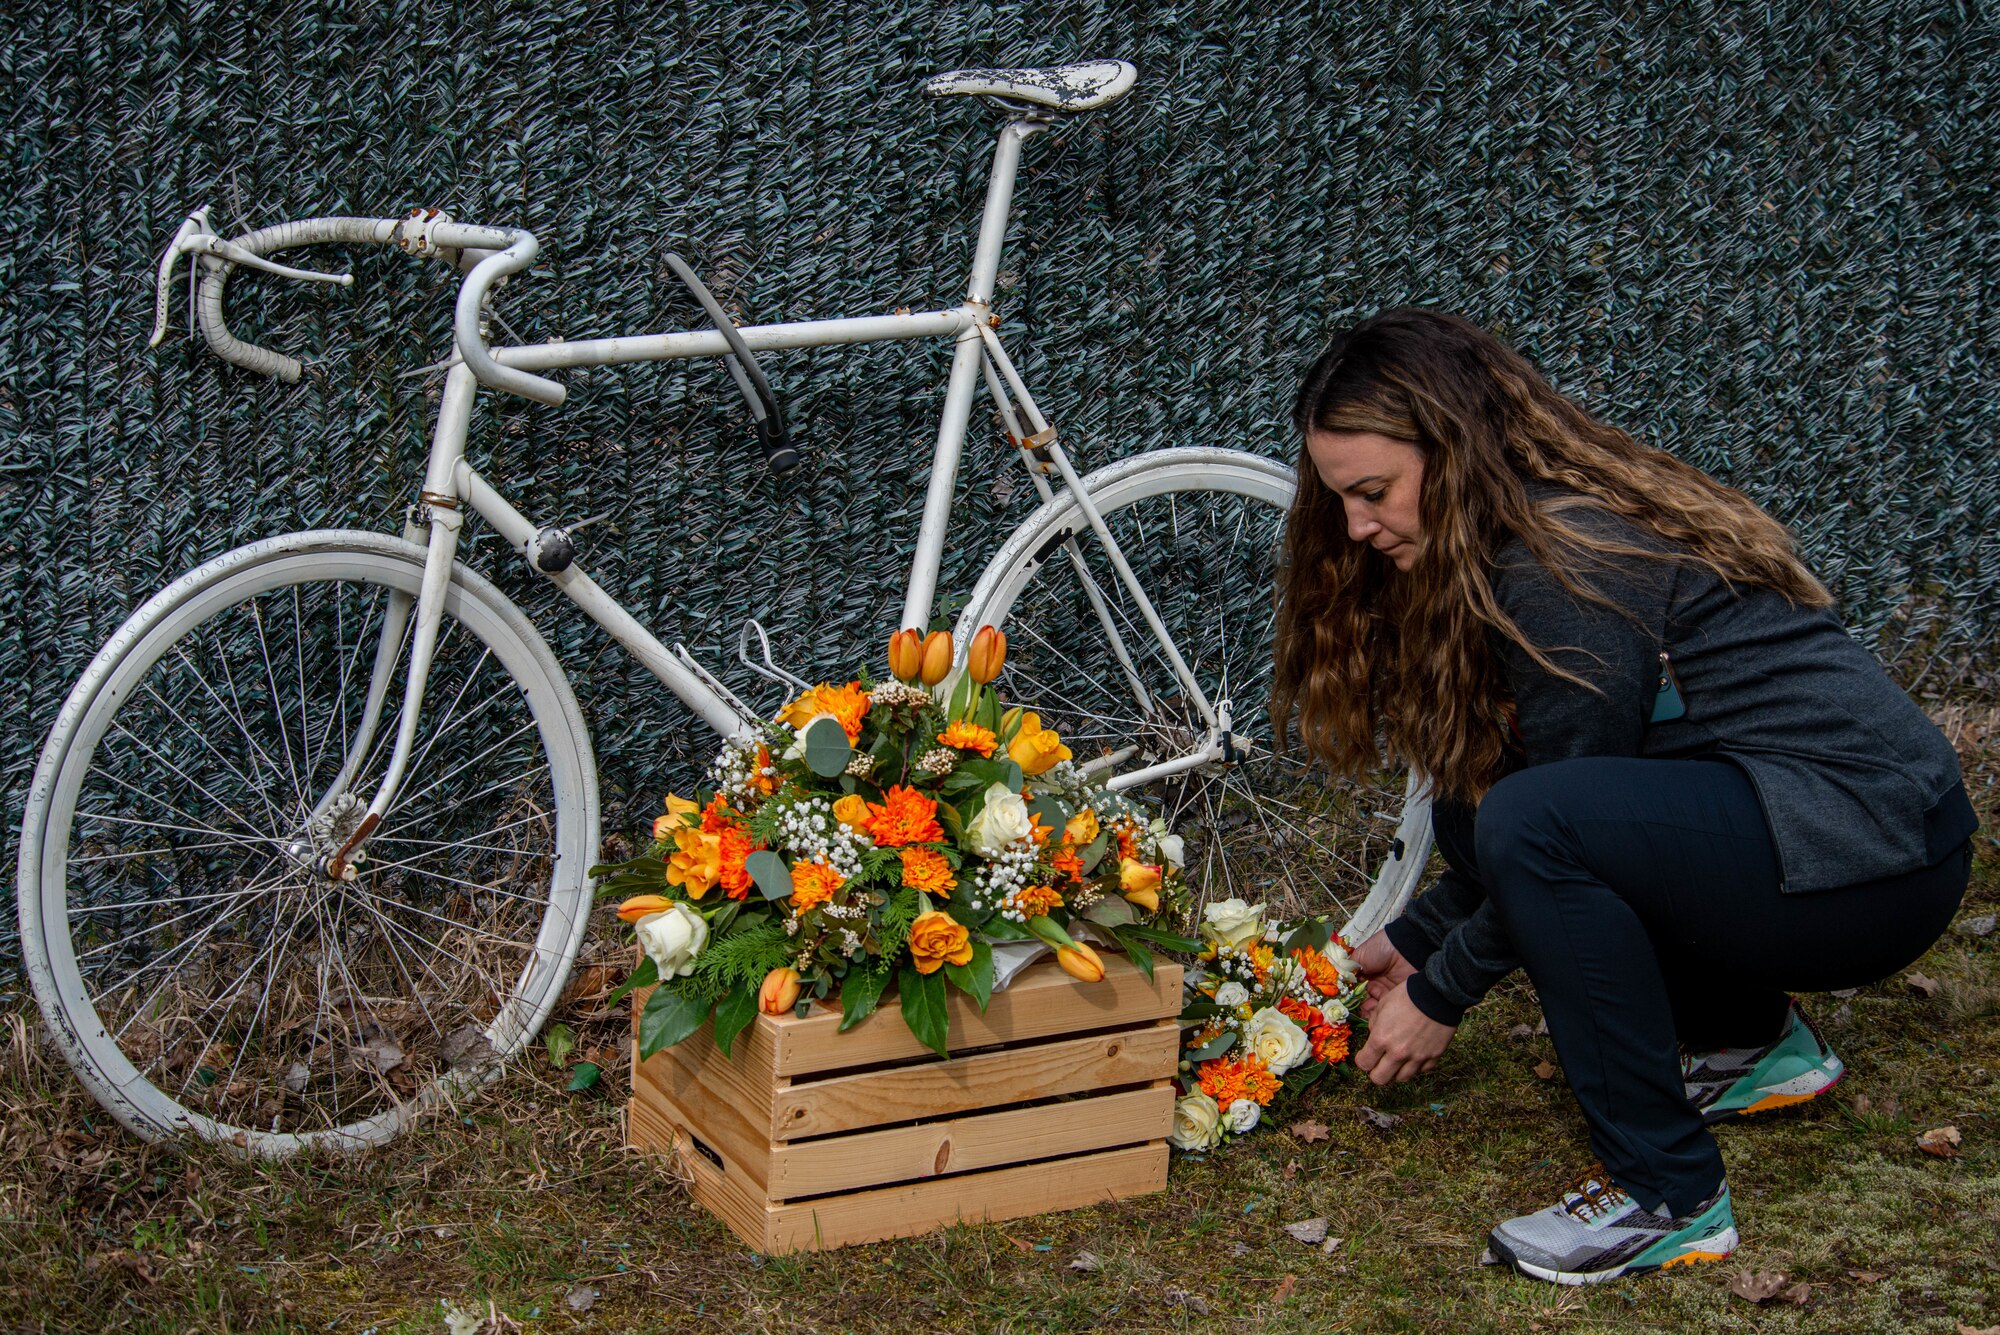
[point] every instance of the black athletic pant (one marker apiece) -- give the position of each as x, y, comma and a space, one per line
1642, 898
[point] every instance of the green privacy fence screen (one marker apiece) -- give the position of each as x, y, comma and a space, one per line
1763, 236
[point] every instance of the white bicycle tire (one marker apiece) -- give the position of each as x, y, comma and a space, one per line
1039, 543
49, 953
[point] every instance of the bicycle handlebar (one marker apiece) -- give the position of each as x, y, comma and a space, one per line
502, 251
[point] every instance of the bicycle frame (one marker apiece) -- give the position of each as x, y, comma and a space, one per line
451, 483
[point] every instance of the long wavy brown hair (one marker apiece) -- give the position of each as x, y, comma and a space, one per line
1369, 658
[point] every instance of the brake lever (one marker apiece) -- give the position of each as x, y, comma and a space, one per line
195, 237
195, 224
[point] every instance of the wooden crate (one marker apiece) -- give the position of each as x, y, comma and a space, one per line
1058, 1095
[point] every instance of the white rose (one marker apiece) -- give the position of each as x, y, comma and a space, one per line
1231, 922
1197, 1122
1276, 1038
1337, 955
1231, 993
1333, 1011
1243, 1115
672, 939
1173, 848
1001, 821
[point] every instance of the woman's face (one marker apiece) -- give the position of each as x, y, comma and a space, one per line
1379, 480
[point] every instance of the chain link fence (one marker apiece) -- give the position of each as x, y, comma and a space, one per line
1764, 237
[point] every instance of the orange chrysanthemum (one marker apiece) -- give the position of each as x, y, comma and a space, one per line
1330, 1043
813, 884
904, 816
736, 847
848, 703
1067, 863
762, 782
1128, 839
1319, 971
718, 815
1308, 1017
1227, 1079
969, 737
927, 871
1035, 901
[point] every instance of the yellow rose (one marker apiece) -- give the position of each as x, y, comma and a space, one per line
1036, 748
1139, 882
698, 864
1081, 828
678, 810
938, 939
852, 811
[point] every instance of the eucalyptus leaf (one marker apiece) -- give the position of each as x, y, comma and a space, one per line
827, 749
768, 870
1093, 852
1051, 811
669, 1017
1111, 911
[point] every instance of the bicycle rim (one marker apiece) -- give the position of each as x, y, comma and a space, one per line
199, 972
1203, 533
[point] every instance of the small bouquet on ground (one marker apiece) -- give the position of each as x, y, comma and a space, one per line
892, 833
1269, 1013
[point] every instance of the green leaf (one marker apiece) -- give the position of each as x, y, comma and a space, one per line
827, 751
725, 914
1137, 953
989, 711
1049, 930
560, 1040
1179, 945
1093, 852
1006, 929
639, 874
974, 979
961, 696
1111, 911
859, 992
1299, 1077
645, 975
1196, 1011
582, 1076
733, 1015
1215, 1047
770, 873
1312, 934
669, 1017
923, 1006
1053, 813
954, 824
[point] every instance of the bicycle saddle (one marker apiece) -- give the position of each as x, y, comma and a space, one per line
1065, 88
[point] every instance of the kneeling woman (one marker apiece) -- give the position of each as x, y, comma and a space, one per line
1669, 785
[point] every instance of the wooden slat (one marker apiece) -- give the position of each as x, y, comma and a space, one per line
724, 1192
1004, 1193
988, 1140
1042, 1001
668, 1088
988, 1079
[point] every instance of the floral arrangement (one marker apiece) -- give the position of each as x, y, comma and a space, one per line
892, 833
1269, 1012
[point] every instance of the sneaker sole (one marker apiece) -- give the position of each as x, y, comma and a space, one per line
1808, 1086
1710, 1249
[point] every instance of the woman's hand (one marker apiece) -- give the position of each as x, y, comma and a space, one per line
1384, 968
1403, 1042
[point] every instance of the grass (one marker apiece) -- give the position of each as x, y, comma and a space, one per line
515, 1208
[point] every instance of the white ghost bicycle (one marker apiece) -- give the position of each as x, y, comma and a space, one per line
307, 849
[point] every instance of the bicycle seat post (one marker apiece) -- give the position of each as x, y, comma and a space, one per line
999, 199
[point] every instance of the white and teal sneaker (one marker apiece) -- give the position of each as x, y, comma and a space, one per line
1740, 1081
1597, 1232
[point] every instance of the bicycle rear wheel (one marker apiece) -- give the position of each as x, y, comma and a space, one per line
1203, 531
201, 975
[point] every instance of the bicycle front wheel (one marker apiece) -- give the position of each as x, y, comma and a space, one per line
1203, 532
199, 971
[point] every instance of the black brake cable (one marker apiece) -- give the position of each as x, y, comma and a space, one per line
765, 414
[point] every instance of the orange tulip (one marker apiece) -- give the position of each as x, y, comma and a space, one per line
643, 906
779, 991
1081, 963
906, 655
987, 655
937, 656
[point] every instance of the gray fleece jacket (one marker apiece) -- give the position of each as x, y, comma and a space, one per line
1856, 783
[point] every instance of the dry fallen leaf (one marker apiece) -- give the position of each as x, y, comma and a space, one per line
1020, 1244
1381, 1121
1284, 1289
1863, 1106
1918, 982
1291, 1169
1330, 1246
583, 1297
1865, 1276
1311, 1231
1086, 1262
1760, 1287
1943, 1141
1798, 1293
1309, 1131
1964, 1329
1193, 1302
1545, 1070
1981, 926
1521, 1031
